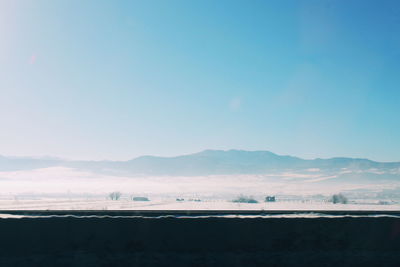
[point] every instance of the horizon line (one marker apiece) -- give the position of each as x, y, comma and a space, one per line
47, 157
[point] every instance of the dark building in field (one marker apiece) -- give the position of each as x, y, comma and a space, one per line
270, 199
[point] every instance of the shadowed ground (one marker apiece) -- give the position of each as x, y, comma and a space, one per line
199, 241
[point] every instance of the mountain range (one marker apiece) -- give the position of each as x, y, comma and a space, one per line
207, 162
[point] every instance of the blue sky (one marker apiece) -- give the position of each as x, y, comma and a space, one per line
119, 79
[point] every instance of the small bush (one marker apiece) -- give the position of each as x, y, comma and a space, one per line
244, 199
115, 195
339, 198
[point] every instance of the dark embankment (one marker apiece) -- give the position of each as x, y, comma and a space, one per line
211, 241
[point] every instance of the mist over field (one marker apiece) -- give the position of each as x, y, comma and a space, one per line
211, 174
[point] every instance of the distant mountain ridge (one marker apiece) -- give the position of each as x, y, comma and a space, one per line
207, 162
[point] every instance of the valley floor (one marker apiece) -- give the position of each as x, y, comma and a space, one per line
170, 204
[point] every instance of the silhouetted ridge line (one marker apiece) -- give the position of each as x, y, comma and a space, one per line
207, 162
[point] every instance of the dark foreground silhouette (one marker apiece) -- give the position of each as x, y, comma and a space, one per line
365, 241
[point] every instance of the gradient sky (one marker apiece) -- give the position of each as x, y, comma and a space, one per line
118, 79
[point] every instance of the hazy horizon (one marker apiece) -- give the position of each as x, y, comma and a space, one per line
186, 154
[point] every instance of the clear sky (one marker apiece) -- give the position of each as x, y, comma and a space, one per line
117, 79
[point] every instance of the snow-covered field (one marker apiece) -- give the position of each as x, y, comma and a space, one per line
124, 204
70, 189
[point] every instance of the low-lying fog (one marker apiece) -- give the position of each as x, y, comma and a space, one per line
68, 182
210, 176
